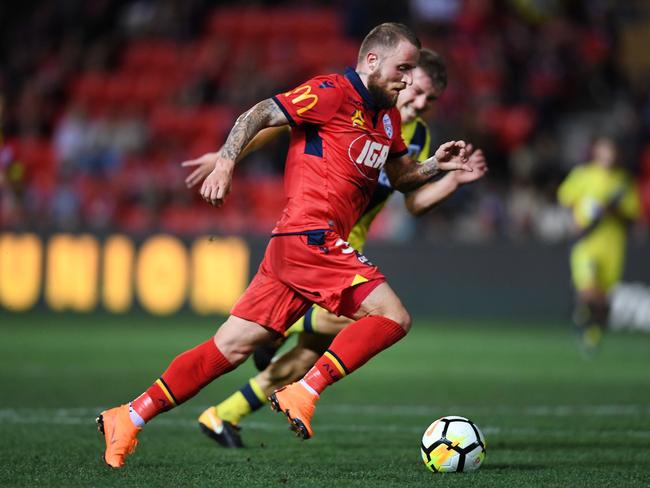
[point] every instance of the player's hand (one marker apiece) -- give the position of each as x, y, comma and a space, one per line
217, 184
452, 156
203, 166
476, 160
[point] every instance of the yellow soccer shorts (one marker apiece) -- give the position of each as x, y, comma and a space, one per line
596, 266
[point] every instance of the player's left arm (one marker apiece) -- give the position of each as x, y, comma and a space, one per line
430, 194
572, 187
406, 174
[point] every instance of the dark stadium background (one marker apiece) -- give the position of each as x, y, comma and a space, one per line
101, 100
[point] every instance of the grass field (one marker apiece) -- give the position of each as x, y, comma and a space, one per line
551, 418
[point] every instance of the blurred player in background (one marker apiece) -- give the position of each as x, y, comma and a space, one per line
603, 200
345, 129
318, 326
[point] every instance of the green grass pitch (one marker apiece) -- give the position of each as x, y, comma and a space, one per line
551, 418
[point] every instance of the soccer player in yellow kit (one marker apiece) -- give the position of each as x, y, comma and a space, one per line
317, 328
603, 200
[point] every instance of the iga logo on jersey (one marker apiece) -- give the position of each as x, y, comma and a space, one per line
388, 126
368, 156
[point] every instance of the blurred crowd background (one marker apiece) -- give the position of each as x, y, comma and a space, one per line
100, 101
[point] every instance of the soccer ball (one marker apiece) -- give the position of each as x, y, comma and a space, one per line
453, 444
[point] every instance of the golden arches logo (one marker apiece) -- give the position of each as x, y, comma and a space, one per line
305, 93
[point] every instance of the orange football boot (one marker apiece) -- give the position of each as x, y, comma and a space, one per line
120, 434
298, 404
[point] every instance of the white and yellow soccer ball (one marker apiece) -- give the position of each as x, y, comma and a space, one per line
453, 444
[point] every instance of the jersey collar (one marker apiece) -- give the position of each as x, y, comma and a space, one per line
353, 77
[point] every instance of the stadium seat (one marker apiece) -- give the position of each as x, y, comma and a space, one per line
266, 195
87, 89
38, 157
224, 23
118, 90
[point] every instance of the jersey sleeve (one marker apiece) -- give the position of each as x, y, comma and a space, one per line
630, 205
313, 102
426, 150
422, 139
398, 147
569, 191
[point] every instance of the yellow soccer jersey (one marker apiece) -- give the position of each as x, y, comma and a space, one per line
589, 188
418, 140
597, 257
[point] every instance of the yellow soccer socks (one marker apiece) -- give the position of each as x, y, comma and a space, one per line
246, 400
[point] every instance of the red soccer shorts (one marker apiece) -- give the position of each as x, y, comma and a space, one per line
301, 269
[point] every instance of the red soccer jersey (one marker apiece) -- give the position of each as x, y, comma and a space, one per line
339, 143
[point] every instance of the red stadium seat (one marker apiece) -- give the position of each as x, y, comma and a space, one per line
152, 55
213, 121
267, 201
192, 125
151, 90
224, 23
163, 121
118, 90
136, 218
136, 56
88, 88
320, 23
37, 155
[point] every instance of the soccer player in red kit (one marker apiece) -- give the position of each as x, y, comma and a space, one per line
345, 128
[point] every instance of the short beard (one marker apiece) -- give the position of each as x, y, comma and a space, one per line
383, 99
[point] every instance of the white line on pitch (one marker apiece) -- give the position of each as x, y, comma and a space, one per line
85, 416
391, 410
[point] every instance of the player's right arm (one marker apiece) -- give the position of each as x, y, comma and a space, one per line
204, 165
312, 102
217, 184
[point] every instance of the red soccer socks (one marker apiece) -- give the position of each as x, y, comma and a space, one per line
351, 349
184, 378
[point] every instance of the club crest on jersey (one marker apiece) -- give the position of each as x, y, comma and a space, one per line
368, 156
388, 126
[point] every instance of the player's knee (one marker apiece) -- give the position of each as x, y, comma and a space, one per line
237, 339
236, 355
401, 316
235, 351
383, 302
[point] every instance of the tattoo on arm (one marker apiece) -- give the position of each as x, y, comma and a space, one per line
264, 114
408, 174
429, 167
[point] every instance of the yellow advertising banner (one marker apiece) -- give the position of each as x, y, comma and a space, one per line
80, 272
